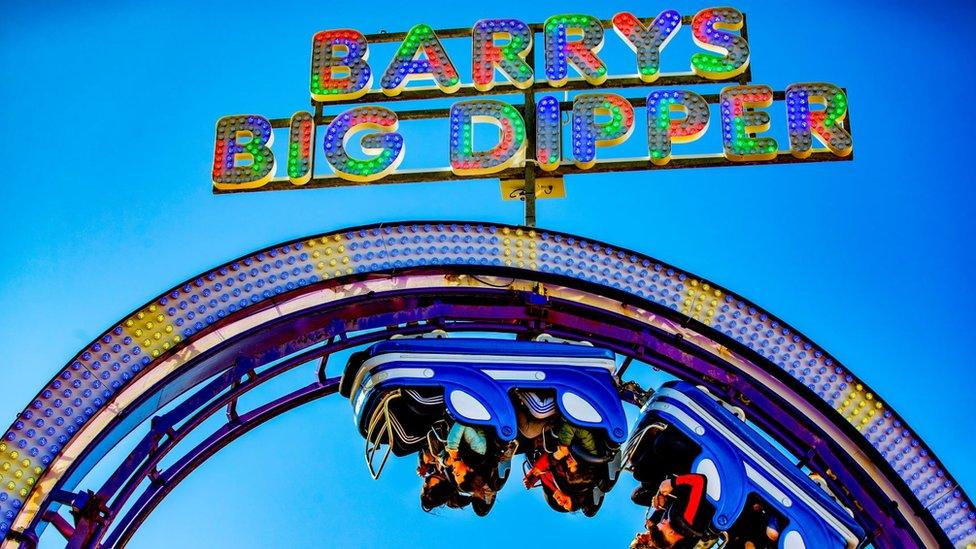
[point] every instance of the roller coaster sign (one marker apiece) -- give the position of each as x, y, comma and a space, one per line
530, 134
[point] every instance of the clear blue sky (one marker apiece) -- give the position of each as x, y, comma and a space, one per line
108, 111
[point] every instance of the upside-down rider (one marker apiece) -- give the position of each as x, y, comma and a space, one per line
466, 462
475, 439
542, 471
756, 528
558, 469
448, 479
437, 489
681, 514
569, 435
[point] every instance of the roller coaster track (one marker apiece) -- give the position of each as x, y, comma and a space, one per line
196, 349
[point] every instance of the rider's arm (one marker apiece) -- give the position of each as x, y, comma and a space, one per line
454, 438
476, 439
539, 468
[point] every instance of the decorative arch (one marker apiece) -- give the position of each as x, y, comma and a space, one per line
236, 326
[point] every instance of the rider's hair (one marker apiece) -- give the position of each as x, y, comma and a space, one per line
433, 496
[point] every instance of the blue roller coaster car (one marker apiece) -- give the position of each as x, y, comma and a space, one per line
399, 388
685, 430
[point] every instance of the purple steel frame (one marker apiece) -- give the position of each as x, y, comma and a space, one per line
457, 296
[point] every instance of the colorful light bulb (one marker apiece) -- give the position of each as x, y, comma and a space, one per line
242, 152
826, 124
509, 58
574, 39
662, 130
301, 148
739, 121
407, 64
588, 134
647, 42
548, 133
511, 143
387, 147
707, 31
339, 68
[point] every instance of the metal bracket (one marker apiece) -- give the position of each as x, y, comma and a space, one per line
27, 539
323, 363
91, 514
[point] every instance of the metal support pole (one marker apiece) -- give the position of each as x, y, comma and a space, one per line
530, 166
528, 113
324, 362
623, 367
90, 520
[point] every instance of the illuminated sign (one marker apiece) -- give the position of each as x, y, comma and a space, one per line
545, 134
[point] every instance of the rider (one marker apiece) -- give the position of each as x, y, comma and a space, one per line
541, 471
559, 471
475, 439
681, 514
756, 528
532, 428
474, 471
437, 489
667, 452
568, 435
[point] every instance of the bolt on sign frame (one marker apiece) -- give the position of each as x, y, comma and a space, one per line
194, 350
527, 168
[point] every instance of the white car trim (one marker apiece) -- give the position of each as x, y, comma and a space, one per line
606, 363
468, 406
392, 373
580, 408
793, 540
713, 486
770, 488
516, 375
680, 414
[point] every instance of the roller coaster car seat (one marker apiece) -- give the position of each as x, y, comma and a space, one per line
355, 361
539, 404
411, 413
424, 403
399, 420
655, 450
587, 501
